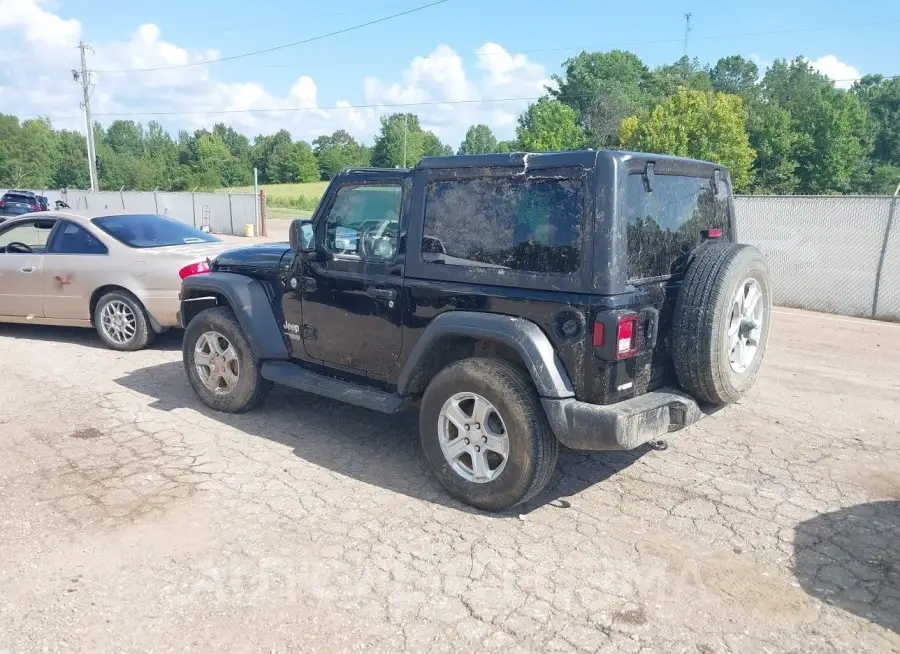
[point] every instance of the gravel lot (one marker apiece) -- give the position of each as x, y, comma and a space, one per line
132, 519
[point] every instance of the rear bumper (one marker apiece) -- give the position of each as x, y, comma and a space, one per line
621, 426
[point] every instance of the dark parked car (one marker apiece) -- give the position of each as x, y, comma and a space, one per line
16, 203
593, 299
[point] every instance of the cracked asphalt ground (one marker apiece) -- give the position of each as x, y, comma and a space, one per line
133, 519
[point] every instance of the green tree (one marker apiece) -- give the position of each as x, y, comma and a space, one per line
212, 157
773, 138
735, 75
549, 125
338, 151
125, 137
264, 157
399, 133
479, 140
38, 153
664, 82
10, 155
603, 88
700, 125
881, 97
433, 147
71, 165
834, 134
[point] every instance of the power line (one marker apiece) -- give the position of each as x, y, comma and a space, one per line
431, 103
284, 46
508, 51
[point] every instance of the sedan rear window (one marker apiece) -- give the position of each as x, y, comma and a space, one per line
151, 231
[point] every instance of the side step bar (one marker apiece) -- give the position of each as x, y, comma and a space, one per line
289, 374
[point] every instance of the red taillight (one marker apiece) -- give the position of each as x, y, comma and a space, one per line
35, 207
626, 336
194, 269
713, 233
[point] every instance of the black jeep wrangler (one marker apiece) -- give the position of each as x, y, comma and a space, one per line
595, 299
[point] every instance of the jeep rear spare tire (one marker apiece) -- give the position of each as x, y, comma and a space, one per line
721, 324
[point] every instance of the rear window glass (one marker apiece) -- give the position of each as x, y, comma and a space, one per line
151, 231
511, 223
665, 224
15, 197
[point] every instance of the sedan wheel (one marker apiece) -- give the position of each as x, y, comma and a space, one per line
118, 322
121, 321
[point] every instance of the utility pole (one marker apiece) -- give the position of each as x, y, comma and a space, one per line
84, 77
687, 30
405, 130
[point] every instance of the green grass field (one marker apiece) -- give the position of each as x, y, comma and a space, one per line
278, 213
310, 190
291, 197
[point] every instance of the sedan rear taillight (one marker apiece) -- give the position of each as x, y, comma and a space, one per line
198, 268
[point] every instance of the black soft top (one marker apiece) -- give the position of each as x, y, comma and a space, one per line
582, 158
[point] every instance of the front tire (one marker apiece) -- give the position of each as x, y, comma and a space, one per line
122, 323
220, 364
485, 434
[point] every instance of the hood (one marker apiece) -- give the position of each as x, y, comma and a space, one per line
265, 256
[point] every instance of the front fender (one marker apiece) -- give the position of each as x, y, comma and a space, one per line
526, 338
250, 302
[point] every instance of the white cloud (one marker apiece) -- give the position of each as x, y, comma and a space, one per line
40, 51
842, 73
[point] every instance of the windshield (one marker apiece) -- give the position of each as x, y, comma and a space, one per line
151, 231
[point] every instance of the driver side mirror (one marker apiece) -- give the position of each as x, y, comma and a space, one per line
302, 236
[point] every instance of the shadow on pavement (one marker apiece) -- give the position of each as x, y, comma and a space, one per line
170, 340
374, 448
851, 559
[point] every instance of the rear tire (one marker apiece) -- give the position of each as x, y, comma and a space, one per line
220, 364
499, 404
721, 325
122, 322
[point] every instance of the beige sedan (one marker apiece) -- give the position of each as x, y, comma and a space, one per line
118, 273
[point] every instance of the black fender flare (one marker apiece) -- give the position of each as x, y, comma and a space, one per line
251, 305
537, 352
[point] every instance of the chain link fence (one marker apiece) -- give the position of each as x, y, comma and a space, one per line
836, 254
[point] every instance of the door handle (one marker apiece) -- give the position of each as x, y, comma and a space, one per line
26, 269
386, 293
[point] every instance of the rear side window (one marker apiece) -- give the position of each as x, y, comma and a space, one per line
511, 223
665, 223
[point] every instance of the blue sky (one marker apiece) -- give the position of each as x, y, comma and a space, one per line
235, 26
338, 66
